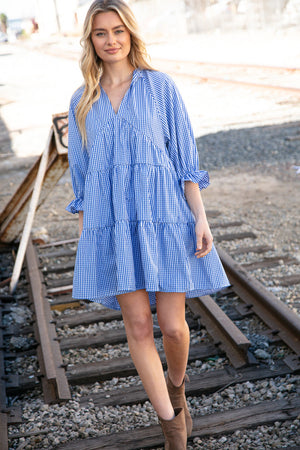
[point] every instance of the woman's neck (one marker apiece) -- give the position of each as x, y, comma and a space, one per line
116, 74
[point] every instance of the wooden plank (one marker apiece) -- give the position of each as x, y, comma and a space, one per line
89, 317
273, 261
289, 280
123, 367
59, 268
207, 425
234, 236
202, 384
54, 381
58, 283
63, 253
14, 213
111, 337
253, 249
236, 223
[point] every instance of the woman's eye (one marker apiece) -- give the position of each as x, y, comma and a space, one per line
119, 31
100, 33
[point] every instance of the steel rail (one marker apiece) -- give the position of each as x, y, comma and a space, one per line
220, 327
230, 65
208, 78
282, 321
54, 380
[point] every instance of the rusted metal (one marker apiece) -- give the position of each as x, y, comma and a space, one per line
54, 381
12, 218
275, 314
223, 331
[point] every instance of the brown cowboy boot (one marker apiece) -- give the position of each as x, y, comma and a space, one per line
178, 400
175, 431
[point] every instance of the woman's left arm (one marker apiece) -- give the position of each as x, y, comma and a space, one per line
203, 233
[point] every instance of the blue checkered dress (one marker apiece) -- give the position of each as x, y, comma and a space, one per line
138, 231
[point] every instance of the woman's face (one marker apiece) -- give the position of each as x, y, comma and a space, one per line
110, 37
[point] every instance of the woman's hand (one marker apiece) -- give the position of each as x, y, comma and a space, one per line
204, 238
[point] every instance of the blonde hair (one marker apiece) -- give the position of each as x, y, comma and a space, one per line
90, 63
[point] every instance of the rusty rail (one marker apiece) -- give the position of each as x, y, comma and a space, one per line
54, 380
275, 314
224, 332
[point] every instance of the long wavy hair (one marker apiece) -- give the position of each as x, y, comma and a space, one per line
90, 63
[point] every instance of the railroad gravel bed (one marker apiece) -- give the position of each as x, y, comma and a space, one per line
73, 421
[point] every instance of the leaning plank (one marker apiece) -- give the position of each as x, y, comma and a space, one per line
204, 383
14, 213
206, 425
123, 367
30, 216
54, 380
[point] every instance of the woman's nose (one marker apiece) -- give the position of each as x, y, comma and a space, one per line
110, 38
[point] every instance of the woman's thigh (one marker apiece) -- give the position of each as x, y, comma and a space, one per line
136, 311
170, 307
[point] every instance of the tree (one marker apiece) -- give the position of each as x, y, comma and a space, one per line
3, 22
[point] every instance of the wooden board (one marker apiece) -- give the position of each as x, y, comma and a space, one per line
206, 425
204, 383
123, 367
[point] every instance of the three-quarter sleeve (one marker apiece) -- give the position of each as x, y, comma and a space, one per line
78, 162
181, 142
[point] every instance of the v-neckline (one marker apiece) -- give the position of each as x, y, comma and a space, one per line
124, 96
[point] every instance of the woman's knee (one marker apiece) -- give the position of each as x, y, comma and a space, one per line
140, 328
174, 331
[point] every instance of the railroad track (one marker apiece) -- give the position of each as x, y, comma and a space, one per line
253, 76
216, 329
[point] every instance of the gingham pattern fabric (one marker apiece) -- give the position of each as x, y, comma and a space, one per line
138, 231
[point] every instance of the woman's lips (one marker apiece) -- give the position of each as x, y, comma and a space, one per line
111, 51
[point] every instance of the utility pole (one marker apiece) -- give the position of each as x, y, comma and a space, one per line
57, 17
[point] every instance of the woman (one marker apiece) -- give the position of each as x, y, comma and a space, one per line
144, 236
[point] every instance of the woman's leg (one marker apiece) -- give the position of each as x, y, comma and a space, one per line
138, 322
176, 335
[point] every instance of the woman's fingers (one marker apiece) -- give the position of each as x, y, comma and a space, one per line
204, 246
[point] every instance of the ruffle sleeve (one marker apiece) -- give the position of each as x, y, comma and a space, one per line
78, 162
181, 142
